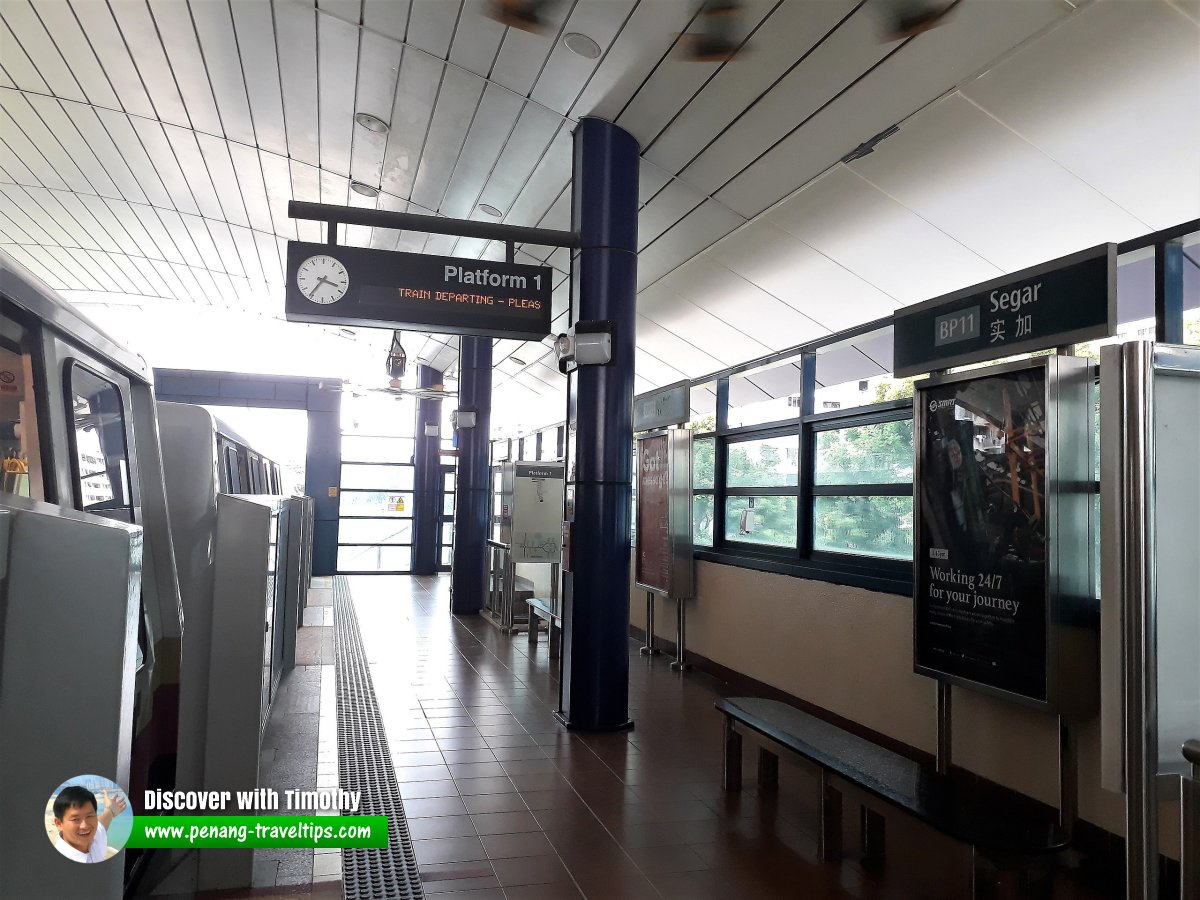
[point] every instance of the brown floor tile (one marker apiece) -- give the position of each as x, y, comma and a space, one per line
507, 846
492, 785
505, 823
441, 827
434, 806
443, 850
417, 790
530, 870
494, 803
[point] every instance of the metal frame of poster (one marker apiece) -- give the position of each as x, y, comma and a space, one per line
664, 565
1002, 569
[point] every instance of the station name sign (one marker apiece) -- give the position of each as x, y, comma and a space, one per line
335, 285
1062, 302
667, 406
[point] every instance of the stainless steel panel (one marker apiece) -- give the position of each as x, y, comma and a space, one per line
68, 600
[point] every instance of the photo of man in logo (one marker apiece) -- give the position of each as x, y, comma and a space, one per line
84, 810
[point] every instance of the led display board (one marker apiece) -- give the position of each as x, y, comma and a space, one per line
1062, 302
335, 285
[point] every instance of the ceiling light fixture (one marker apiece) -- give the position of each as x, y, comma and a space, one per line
372, 123
581, 45
519, 362
366, 190
488, 209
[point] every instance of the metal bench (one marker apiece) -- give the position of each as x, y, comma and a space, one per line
540, 608
998, 826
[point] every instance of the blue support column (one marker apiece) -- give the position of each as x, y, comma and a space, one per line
595, 684
472, 496
427, 478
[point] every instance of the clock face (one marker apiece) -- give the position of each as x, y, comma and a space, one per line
322, 279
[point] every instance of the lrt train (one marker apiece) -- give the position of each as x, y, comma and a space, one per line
92, 617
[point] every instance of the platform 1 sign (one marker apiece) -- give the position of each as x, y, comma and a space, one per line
1066, 301
335, 285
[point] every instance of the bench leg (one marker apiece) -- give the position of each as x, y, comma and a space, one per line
768, 770
733, 757
533, 630
829, 838
554, 637
871, 834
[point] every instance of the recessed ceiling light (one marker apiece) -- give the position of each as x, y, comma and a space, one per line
365, 189
347, 332
372, 123
490, 210
519, 362
581, 45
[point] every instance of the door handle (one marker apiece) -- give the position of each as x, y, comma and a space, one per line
1191, 752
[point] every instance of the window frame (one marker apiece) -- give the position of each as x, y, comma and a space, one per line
125, 512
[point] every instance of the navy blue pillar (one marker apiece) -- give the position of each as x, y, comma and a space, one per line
427, 478
595, 685
472, 495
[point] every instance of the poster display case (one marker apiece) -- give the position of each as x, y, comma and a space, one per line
663, 561
1003, 599
531, 510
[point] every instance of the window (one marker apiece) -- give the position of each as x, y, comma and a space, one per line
703, 485
99, 456
21, 473
768, 393
761, 487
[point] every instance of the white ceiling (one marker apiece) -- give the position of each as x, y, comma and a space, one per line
148, 151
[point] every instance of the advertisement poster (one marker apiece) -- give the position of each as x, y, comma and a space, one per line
980, 586
653, 560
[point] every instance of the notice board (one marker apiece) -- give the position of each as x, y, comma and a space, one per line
653, 515
981, 587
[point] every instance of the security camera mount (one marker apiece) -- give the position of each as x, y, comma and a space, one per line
589, 343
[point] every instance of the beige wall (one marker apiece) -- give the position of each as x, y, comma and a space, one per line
849, 651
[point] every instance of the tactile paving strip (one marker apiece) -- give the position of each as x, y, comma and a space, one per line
365, 765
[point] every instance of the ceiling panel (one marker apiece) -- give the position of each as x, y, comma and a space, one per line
173, 23
791, 31
61, 23
699, 229
416, 91
154, 227
17, 65
337, 65
735, 301
131, 225
255, 34
783, 265
16, 170
900, 85
477, 38
96, 219
109, 46
225, 182
74, 144
185, 144
296, 41
456, 105
15, 212
100, 144
36, 215
885, 244
1113, 99
32, 41
664, 344
669, 205
139, 31
489, 132
223, 59
180, 236
376, 94
523, 54
431, 25
916, 168
30, 130
347, 10
550, 177
388, 17
120, 129
162, 158
692, 324
566, 72
646, 36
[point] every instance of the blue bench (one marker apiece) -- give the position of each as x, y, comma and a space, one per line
540, 608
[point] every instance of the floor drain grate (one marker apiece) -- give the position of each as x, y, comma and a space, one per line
365, 765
